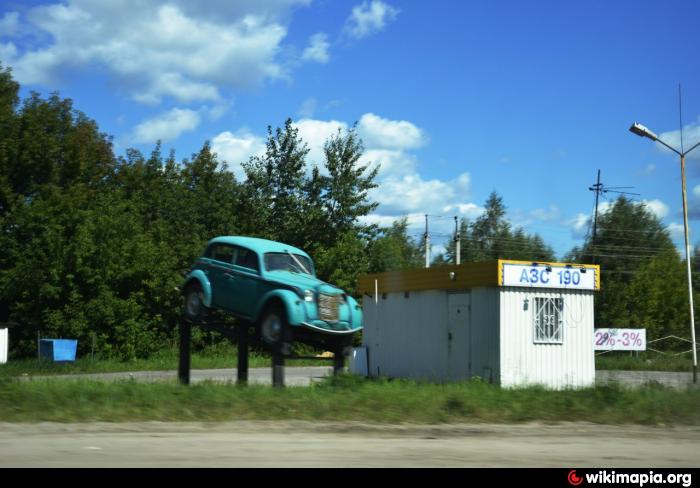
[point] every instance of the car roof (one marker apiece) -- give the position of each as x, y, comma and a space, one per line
256, 244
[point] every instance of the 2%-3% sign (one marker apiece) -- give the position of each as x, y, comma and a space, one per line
620, 340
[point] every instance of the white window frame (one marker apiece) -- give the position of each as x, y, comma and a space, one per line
551, 309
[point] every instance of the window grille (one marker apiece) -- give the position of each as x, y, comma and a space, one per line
548, 320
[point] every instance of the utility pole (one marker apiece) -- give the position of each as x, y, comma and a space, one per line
427, 243
458, 241
599, 188
596, 188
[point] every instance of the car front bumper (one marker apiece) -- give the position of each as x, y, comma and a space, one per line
338, 328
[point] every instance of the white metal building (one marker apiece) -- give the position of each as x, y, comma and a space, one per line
513, 323
4, 344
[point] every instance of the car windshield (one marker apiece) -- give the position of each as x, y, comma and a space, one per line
285, 262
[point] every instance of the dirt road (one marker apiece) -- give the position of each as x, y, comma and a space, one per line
291, 444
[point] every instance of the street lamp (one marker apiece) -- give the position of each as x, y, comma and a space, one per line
642, 131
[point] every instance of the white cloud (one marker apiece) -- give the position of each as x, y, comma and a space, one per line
603, 207
391, 161
9, 24
696, 191
166, 126
657, 207
677, 231
237, 148
436, 249
176, 86
546, 214
7, 51
402, 190
649, 169
469, 211
390, 134
369, 18
579, 225
181, 49
317, 49
411, 193
308, 108
315, 133
217, 111
691, 136
384, 220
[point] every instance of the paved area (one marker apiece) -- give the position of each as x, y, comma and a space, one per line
305, 375
293, 375
304, 444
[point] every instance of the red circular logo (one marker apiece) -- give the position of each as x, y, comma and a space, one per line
573, 479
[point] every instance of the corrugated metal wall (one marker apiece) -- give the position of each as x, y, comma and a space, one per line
407, 337
569, 364
485, 347
3, 345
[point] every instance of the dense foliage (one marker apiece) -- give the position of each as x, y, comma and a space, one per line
643, 276
491, 236
94, 244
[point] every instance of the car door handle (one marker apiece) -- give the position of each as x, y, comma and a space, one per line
229, 276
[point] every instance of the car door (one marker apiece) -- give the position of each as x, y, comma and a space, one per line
244, 284
220, 266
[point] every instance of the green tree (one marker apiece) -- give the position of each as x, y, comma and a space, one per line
490, 236
641, 271
656, 298
393, 249
345, 197
275, 184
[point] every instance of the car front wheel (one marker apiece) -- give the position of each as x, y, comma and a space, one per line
274, 330
195, 310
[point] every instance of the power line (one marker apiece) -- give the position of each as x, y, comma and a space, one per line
600, 189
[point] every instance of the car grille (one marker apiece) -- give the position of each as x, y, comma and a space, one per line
328, 307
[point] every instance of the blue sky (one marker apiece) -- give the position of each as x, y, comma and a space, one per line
454, 99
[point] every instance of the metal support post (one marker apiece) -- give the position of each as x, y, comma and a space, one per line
184, 365
338, 362
277, 369
242, 354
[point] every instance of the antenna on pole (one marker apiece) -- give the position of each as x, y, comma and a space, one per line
427, 243
599, 188
458, 241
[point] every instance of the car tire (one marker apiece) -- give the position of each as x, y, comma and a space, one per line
274, 330
195, 310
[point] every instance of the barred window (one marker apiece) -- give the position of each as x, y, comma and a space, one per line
548, 319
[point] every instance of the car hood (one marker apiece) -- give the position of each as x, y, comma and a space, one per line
304, 281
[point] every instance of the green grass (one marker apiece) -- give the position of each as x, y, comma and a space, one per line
340, 399
643, 362
222, 356
225, 356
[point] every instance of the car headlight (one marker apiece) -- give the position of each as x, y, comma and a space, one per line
308, 296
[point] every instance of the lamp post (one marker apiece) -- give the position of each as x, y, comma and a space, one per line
642, 131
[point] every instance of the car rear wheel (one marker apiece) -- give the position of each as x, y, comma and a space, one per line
195, 310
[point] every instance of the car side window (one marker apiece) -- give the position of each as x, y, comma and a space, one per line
247, 259
221, 252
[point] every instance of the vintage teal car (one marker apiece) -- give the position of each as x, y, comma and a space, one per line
273, 286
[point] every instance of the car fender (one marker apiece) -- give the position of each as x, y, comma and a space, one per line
198, 275
355, 313
293, 305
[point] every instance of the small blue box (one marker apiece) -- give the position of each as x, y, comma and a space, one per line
58, 349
